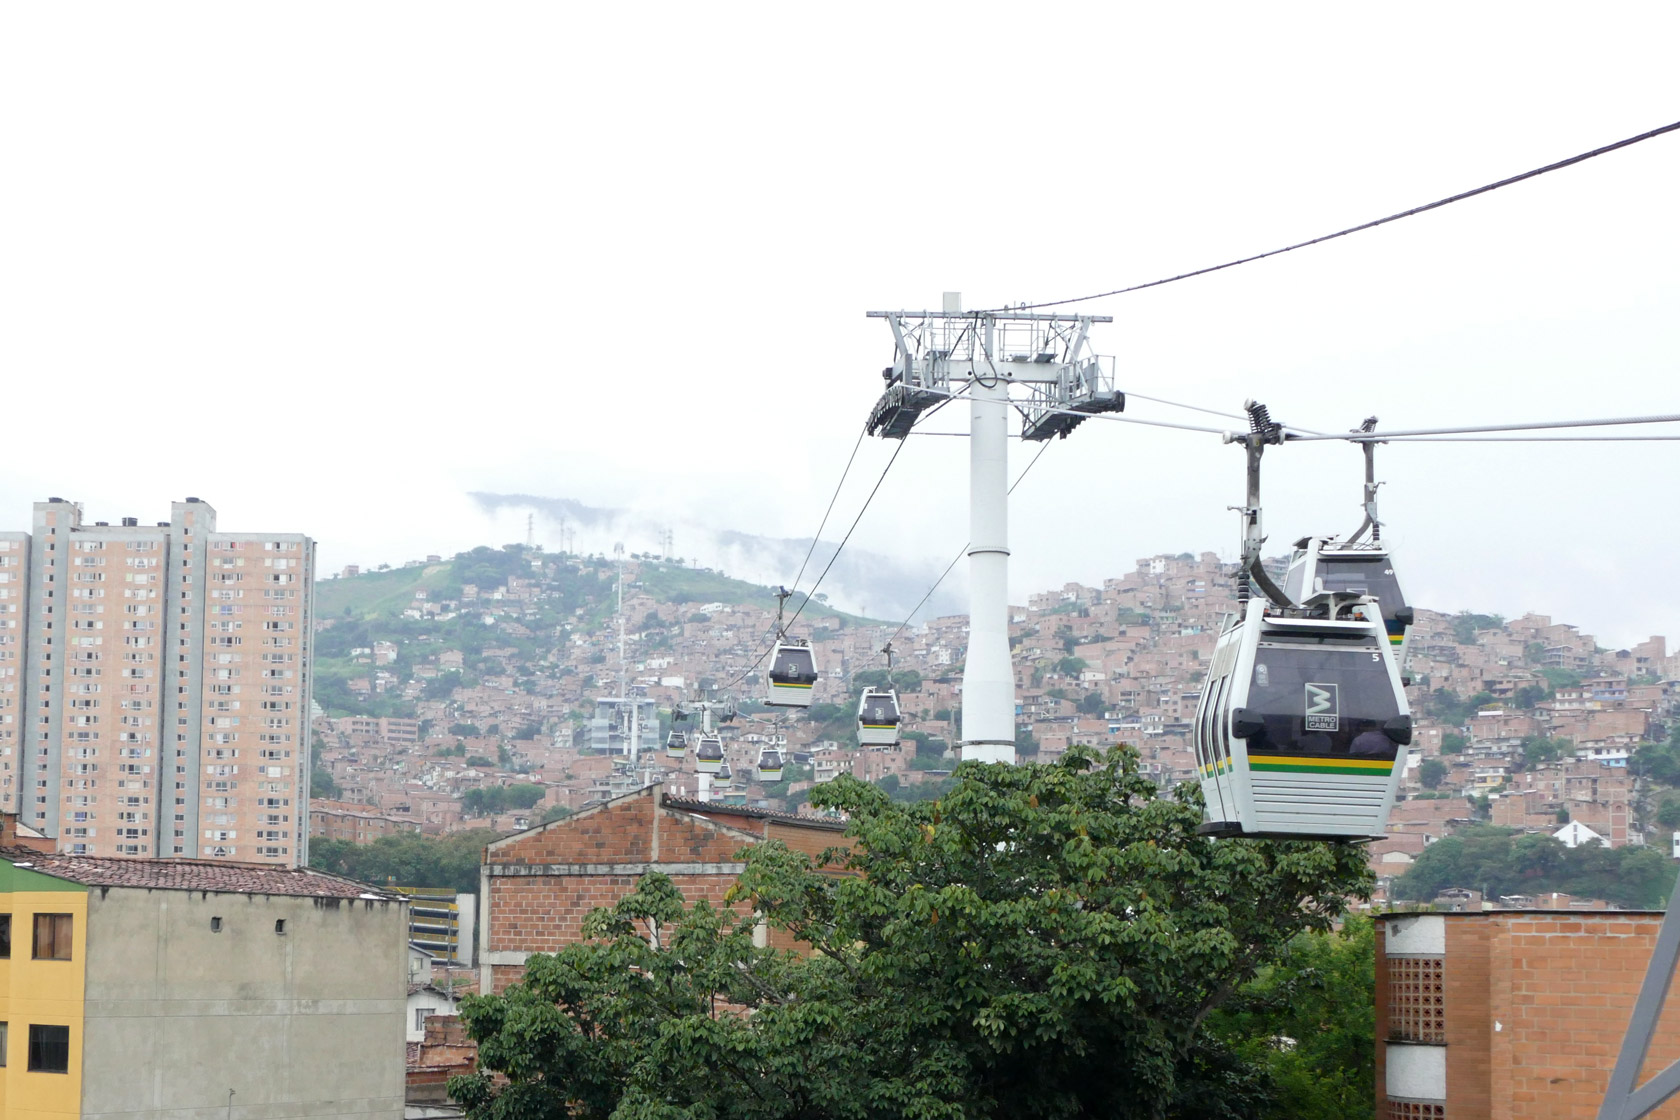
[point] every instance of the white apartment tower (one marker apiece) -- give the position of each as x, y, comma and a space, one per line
155, 685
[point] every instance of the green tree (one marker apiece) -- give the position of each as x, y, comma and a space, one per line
1505, 863
554, 813
491, 800
1537, 750
409, 859
1432, 772
1026, 744
322, 784
1071, 666
1669, 815
1042, 941
1091, 704
1465, 624
1310, 1021
1453, 743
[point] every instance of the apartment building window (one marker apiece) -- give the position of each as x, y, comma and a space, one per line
5, 937
420, 1014
52, 943
4, 1033
49, 1049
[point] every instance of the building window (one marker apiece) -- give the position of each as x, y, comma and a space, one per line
4, 1038
5, 937
420, 1014
52, 943
49, 1049
1417, 1000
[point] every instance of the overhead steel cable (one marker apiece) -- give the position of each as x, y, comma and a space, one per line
745, 673
960, 553
1115, 416
1437, 204
832, 499
1536, 439
1291, 436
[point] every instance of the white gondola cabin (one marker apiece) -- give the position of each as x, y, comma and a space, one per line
877, 717
708, 755
769, 765
676, 744
793, 674
1321, 564
1302, 723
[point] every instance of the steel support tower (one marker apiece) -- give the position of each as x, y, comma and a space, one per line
941, 355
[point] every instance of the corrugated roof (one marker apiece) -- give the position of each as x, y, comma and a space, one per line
191, 875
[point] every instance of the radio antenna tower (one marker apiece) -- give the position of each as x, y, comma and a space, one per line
530, 531
938, 355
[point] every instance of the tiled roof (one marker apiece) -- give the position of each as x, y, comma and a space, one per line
694, 805
191, 875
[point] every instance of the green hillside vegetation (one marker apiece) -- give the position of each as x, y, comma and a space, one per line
368, 608
382, 593
1501, 862
672, 583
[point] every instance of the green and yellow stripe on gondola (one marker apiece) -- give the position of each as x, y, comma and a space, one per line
1212, 769
1319, 764
879, 726
1396, 633
789, 684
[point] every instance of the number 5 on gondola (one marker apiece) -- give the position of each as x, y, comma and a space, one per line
1302, 721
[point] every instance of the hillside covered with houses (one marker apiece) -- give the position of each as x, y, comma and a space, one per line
461, 694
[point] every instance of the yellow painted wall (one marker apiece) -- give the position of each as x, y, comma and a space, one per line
33, 991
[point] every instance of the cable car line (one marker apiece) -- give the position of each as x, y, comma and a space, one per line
1043, 447
1533, 426
1537, 439
817, 536
748, 671
1113, 416
1461, 196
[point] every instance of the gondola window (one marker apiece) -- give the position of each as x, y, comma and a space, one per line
1321, 695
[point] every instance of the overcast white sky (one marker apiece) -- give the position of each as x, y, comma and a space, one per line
332, 266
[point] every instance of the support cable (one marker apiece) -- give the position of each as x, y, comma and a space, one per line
1461, 196
1538, 439
960, 554
745, 673
1534, 426
832, 499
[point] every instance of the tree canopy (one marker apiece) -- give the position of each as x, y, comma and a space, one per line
1309, 1020
1044, 940
491, 800
408, 859
1502, 862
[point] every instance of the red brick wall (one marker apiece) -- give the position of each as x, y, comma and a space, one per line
1536, 1007
618, 833
1571, 988
1472, 981
541, 913
811, 841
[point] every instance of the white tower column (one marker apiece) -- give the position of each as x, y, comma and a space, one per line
988, 698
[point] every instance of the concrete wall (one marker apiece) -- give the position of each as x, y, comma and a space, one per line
308, 1023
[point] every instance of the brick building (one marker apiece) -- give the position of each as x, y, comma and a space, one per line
1509, 1014
538, 885
361, 824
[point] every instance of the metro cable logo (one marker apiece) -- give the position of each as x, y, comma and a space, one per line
1323, 707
